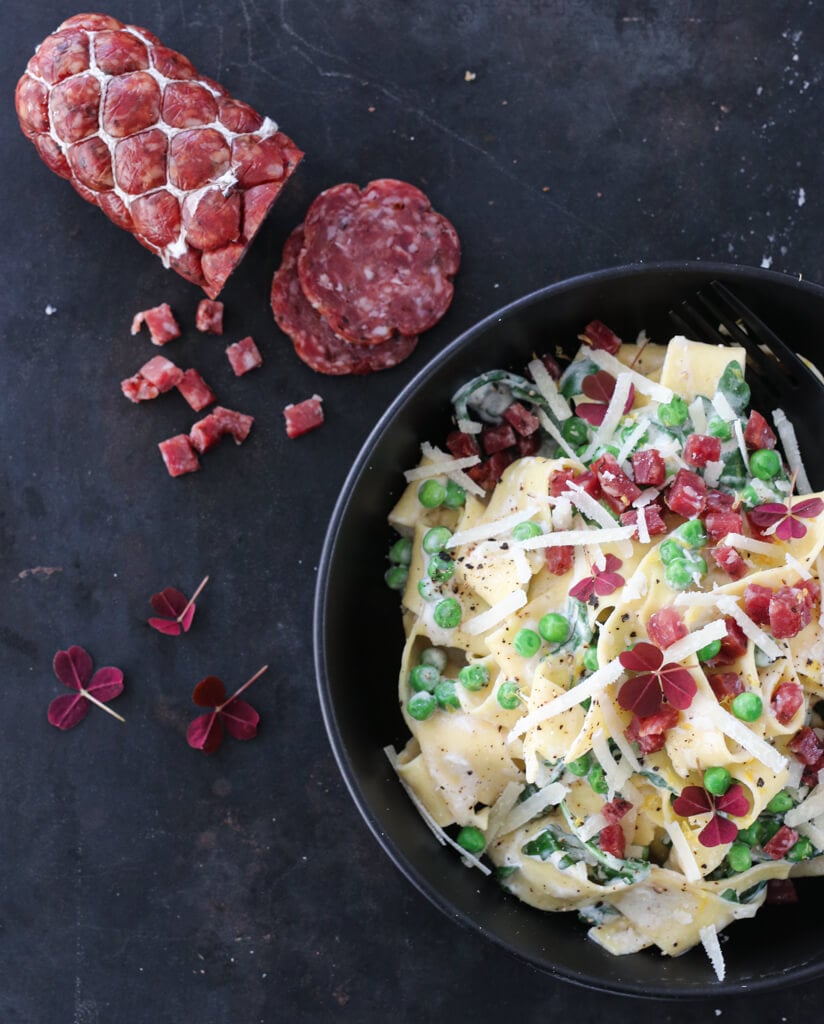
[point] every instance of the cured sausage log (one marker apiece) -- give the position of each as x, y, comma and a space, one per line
165, 152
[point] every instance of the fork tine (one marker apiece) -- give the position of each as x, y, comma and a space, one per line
769, 362
760, 331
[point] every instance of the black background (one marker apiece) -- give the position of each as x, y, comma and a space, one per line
144, 881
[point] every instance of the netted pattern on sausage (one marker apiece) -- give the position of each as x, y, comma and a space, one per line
165, 152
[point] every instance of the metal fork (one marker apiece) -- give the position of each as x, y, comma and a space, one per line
779, 378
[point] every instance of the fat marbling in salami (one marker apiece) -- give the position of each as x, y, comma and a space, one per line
378, 261
313, 339
165, 152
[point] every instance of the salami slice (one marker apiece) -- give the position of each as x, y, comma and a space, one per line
313, 339
379, 261
166, 153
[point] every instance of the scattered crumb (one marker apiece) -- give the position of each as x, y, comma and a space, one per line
802, 197
546, 188
717, 1013
766, 262
371, 109
469, 76
504, 103
599, 195
50, 310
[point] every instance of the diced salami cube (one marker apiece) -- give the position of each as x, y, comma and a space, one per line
527, 445
786, 701
179, 455
161, 323
687, 494
616, 809
558, 480
206, 433
725, 685
733, 645
730, 560
195, 390
161, 372
237, 424
304, 416
757, 603
522, 421
719, 501
496, 439
559, 559
614, 482
598, 335
701, 449
806, 746
719, 524
781, 843
462, 445
648, 468
652, 517
551, 365
138, 389
789, 612
758, 433
666, 626
209, 317
498, 462
244, 356
650, 732
611, 840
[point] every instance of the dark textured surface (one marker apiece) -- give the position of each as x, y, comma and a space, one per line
142, 880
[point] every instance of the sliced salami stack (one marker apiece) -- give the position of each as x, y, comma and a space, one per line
366, 273
165, 152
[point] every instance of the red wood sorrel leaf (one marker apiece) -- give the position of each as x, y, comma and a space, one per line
73, 668
599, 387
734, 801
235, 716
785, 520
693, 800
644, 693
174, 611
601, 582
717, 832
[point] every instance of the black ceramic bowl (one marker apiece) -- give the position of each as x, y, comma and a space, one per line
782, 944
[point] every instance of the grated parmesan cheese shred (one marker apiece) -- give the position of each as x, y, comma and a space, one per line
612, 417
549, 390
789, 442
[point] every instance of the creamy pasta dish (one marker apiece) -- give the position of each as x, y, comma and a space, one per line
613, 659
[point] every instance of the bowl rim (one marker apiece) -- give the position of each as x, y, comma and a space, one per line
670, 991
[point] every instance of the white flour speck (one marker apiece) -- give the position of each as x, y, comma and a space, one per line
766, 262
802, 197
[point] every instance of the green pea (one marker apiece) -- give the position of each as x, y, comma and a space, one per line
424, 677
427, 589
692, 533
580, 766
716, 427
739, 856
710, 651
523, 531
509, 696
436, 539
441, 567
446, 696
669, 551
396, 576
431, 493
765, 464
769, 827
747, 706
435, 656
673, 413
474, 677
401, 551
575, 430
471, 839
421, 705
455, 495
753, 835
780, 803
749, 497
597, 779
554, 627
678, 574
802, 850
591, 659
526, 643
448, 613
717, 781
